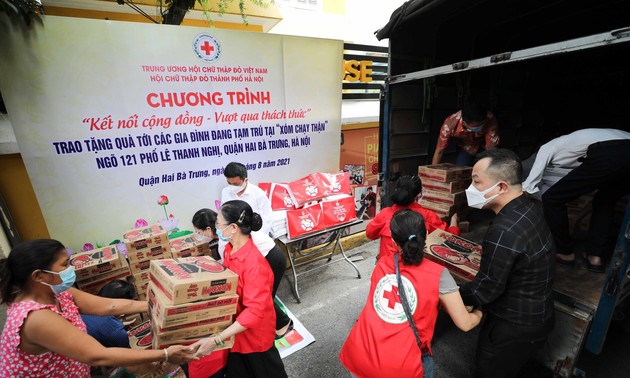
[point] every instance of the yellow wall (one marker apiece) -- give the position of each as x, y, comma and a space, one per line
334, 6
19, 196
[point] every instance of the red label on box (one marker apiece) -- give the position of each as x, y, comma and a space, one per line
339, 211
306, 220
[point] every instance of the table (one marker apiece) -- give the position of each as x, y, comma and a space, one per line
296, 255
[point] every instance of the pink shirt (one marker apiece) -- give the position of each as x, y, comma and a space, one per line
16, 363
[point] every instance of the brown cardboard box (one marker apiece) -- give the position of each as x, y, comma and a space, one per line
166, 315
188, 246
449, 187
145, 237
138, 267
227, 343
189, 334
95, 286
141, 287
444, 197
460, 256
442, 209
142, 277
161, 251
444, 172
96, 262
140, 336
103, 277
192, 279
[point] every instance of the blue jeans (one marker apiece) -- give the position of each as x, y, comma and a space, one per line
427, 365
464, 158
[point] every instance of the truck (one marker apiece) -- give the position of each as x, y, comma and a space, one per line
545, 69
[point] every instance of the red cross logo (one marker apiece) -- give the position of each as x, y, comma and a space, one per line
392, 297
207, 48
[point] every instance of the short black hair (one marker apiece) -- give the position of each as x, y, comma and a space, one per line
235, 169
473, 111
406, 190
205, 218
118, 289
504, 165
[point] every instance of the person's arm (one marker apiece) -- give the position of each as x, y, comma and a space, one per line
95, 305
453, 227
374, 228
492, 134
543, 158
255, 292
264, 206
496, 265
446, 131
454, 307
48, 330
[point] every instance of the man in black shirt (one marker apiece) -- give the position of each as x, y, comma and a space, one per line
514, 283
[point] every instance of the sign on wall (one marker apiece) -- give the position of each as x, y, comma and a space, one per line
109, 116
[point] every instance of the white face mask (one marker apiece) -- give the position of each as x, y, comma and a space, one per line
237, 189
476, 198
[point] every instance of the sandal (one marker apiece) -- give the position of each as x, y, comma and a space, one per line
289, 329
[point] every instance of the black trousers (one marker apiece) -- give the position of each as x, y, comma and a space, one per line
266, 364
606, 169
504, 347
278, 263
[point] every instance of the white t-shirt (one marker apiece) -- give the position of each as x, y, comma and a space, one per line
257, 199
558, 157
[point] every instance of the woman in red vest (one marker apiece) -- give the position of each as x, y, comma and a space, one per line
406, 191
382, 342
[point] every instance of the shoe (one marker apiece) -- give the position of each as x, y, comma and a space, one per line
597, 268
564, 262
289, 329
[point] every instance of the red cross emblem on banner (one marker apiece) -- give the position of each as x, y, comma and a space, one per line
206, 47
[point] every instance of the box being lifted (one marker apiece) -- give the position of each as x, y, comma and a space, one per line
145, 237
445, 172
192, 278
460, 256
97, 262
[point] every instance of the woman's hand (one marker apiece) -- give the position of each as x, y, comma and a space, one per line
454, 220
179, 354
204, 346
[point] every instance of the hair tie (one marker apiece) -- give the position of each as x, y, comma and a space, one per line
411, 237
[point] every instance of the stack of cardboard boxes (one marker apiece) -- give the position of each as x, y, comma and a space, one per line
97, 267
143, 245
189, 246
443, 188
189, 299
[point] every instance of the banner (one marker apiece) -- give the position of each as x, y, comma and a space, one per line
109, 116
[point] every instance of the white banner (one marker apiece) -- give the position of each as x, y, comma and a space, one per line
110, 115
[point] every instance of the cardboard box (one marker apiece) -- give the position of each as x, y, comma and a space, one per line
444, 172
140, 336
306, 220
161, 251
444, 197
142, 277
192, 278
449, 187
145, 237
95, 286
339, 211
166, 315
188, 246
442, 209
141, 288
138, 267
460, 256
105, 276
191, 333
96, 262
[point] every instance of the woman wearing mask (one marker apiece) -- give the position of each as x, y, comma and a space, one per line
383, 343
404, 196
254, 353
44, 335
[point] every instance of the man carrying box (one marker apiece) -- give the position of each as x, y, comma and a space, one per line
516, 273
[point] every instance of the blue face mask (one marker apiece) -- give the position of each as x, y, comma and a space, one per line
220, 235
68, 277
